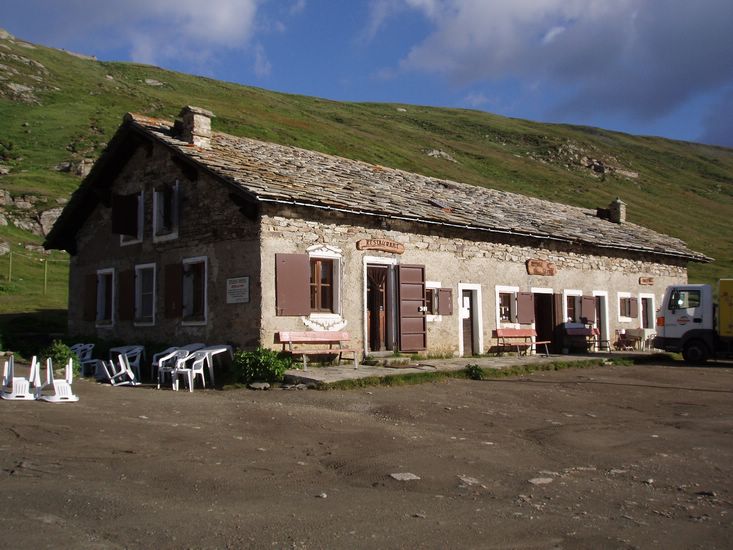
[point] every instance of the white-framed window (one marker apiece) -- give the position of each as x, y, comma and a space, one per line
431, 300
145, 294
572, 303
506, 305
325, 280
195, 285
105, 297
628, 307
137, 215
166, 212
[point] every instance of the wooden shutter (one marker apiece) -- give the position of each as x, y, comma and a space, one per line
634, 308
445, 301
126, 300
124, 214
292, 284
412, 326
173, 290
525, 308
588, 309
90, 297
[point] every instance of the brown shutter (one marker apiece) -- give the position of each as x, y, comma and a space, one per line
173, 290
634, 307
90, 297
525, 308
124, 214
445, 301
412, 327
588, 308
126, 300
292, 284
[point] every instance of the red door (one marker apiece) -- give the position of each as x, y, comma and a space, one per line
412, 326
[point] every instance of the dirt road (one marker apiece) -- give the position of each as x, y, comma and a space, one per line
617, 457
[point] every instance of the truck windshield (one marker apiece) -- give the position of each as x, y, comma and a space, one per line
683, 299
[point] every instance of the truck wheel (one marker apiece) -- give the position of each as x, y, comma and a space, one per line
695, 352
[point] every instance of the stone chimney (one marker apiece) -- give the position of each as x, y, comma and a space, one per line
195, 127
617, 211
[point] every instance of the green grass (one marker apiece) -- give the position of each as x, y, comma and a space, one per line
683, 189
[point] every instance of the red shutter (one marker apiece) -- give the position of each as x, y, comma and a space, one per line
126, 303
634, 307
124, 214
445, 301
588, 309
292, 284
173, 290
90, 297
525, 308
412, 327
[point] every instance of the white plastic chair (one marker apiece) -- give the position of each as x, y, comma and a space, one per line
62, 392
168, 363
17, 388
155, 364
197, 361
84, 353
121, 375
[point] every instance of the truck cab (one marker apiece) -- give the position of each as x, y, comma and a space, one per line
689, 323
686, 322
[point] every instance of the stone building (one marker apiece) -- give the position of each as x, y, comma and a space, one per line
182, 234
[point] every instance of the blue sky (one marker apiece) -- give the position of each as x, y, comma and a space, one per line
651, 67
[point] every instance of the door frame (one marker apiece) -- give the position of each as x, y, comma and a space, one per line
606, 329
477, 313
377, 260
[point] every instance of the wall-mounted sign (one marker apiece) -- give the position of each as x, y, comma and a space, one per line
238, 290
541, 267
648, 281
380, 244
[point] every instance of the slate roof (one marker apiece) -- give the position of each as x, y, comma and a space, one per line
269, 172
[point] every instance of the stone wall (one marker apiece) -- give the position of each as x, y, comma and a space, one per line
455, 259
210, 226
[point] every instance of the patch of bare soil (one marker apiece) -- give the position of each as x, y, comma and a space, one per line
621, 457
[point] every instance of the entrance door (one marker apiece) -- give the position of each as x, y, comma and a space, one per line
377, 306
467, 321
544, 317
600, 312
413, 326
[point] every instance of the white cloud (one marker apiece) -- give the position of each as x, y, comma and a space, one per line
297, 7
262, 66
642, 59
476, 99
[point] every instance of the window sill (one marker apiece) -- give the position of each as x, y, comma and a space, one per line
128, 243
143, 323
193, 323
165, 237
624, 319
324, 316
104, 324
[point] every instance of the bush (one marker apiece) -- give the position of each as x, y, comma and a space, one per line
474, 372
59, 354
261, 365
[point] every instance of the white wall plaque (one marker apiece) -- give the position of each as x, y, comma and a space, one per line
238, 290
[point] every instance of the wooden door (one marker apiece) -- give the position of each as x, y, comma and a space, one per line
467, 322
412, 308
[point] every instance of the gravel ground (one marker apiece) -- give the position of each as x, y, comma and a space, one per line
613, 457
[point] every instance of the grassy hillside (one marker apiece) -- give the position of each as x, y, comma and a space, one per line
56, 107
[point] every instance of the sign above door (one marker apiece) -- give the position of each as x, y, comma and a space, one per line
382, 245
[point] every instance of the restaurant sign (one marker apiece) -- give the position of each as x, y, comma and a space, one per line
646, 281
238, 290
382, 245
541, 267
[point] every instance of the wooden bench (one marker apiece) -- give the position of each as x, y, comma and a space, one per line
298, 343
521, 338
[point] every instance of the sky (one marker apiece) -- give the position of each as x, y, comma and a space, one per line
649, 67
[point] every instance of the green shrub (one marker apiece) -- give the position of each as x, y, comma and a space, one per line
261, 365
59, 354
474, 372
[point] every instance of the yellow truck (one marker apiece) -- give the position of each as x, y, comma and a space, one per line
690, 322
